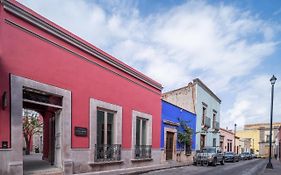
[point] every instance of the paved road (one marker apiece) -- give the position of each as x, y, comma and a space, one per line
249, 167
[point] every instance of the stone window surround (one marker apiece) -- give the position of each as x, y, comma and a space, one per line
94, 106
17, 84
136, 114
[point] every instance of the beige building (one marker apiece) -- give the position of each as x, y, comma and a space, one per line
258, 136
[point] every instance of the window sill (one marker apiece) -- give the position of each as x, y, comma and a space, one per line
141, 160
5, 149
106, 162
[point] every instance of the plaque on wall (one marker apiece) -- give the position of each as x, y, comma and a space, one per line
80, 131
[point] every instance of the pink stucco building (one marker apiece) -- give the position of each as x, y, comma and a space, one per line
95, 108
228, 141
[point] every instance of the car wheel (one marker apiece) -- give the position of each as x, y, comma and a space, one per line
205, 163
215, 162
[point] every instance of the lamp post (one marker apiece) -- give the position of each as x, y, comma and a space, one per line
272, 80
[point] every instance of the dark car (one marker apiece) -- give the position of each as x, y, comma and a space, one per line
231, 157
247, 155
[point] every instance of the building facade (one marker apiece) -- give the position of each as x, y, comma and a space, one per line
259, 135
172, 116
279, 144
99, 113
227, 142
199, 99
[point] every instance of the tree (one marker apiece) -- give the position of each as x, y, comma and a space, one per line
31, 125
184, 134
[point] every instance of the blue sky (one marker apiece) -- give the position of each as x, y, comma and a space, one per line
232, 46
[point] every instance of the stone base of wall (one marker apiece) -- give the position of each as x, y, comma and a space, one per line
81, 163
180, 157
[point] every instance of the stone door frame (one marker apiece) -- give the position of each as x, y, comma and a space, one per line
15, 154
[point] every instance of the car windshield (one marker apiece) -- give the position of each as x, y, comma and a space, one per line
209, 150
228, 153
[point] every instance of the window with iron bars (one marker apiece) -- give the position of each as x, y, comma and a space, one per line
142, 150
105, 149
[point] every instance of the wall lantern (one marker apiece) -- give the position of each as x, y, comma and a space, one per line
4, 100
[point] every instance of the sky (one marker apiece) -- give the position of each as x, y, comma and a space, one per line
234, 47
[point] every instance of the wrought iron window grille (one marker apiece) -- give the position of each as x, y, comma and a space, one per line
107, 152
142, 151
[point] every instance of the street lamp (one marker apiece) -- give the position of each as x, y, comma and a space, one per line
272, 81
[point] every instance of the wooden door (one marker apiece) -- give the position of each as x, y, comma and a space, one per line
169, 145
202, 141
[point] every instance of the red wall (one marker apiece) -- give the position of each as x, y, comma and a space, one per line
25, 55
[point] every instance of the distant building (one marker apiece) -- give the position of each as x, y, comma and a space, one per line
278, 144
228, 141
199, 99
259, 135
171, 117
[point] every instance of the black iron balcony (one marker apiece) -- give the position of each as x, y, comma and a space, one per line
142, 151
207, 122
107, 153
216, 125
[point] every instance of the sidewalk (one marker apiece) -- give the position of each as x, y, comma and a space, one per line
139, 170
276, 168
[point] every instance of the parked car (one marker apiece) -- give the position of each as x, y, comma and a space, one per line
254, 156
242, 156
208, 156
231, 157
247, 155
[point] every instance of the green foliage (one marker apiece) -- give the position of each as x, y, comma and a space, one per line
184, 133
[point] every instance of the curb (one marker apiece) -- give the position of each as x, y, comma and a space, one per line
151, 170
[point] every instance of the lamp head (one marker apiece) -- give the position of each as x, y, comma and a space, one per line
273, 80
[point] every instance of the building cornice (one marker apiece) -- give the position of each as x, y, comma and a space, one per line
168, 122
205, 87
47, 26
230, 132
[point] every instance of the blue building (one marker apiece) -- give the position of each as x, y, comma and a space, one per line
171, 117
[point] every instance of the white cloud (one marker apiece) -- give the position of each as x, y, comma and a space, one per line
217, 43
252, 103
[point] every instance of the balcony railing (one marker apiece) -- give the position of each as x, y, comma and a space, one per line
207, 122
107, 153
217, 125
142, 151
